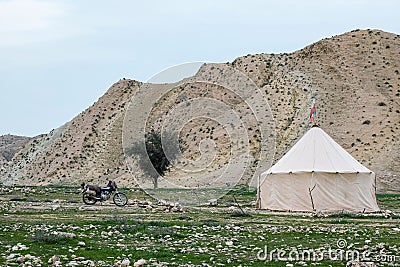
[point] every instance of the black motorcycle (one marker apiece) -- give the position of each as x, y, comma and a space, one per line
91, 194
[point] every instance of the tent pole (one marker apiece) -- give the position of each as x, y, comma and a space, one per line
312, 200
258, 193
310, 190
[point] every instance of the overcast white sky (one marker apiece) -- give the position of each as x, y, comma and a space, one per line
58, 56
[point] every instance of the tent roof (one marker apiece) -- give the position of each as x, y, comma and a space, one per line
317, 151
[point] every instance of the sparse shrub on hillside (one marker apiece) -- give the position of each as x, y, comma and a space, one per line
155, 152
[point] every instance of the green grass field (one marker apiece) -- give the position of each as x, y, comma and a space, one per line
50, 226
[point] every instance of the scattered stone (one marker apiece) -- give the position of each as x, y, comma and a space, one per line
72, 263
11, 256
229, 243
37, 262
89, 263
53, 259
125, 263
213, 202
140, 262
19, 246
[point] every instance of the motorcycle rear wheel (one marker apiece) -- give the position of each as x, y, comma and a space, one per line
120, 199
89, 199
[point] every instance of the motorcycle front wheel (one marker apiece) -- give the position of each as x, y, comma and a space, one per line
120, 199
89, 199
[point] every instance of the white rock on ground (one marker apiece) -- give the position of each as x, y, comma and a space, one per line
125, 263
53, 259
229, 243
140, 262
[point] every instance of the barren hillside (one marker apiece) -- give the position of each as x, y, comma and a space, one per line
9, 146
355, 76
88, 148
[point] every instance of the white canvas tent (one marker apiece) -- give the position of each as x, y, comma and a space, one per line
317, 174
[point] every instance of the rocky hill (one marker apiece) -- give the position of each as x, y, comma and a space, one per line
355, 76
85, 149
9, 146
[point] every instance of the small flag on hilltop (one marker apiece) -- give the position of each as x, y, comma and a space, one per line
313, 111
